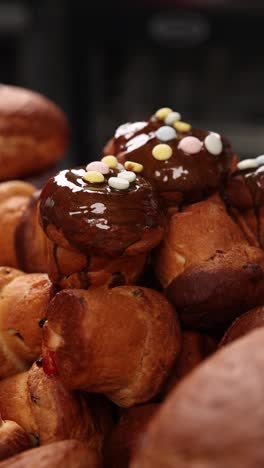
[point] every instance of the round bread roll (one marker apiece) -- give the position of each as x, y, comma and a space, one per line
34, 132
215, 417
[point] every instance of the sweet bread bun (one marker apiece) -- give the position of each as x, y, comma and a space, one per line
122, 443
120, 342
207, 267
215, 417
34, 132
22, 242
195, 348
24, 299
184, 164
97, 230
48, 412
67, 454
13, 439
244, 324
14, 197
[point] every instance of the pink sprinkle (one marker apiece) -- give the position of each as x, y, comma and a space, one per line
98, 166
190, 145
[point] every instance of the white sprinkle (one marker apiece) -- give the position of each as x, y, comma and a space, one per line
157, 173
165, 178
260, 160
247, 164
128, 175
166, 133
213, 144
120, 166
172, 117
118, 183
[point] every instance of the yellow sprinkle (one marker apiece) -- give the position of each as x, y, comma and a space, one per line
110, 160
133, 166
94, 177
162, 113
162, 152
182, 126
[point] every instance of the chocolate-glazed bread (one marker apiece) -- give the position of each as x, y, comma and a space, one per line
99, 231
245, 197
184, 164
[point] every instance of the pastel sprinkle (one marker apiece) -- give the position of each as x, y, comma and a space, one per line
172, 117
162, 152
118, 183
166, 133
110, 161
190, 145
162, 113
248, 164
133, 166
128, 175
213, 144
93, 177
182, 127
120, 166
98, 166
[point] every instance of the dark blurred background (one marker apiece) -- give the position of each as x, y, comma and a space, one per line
106, 62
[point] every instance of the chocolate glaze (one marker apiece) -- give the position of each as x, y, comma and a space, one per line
95, 218
246, 188
194, 176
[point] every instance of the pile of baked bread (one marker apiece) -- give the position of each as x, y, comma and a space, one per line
131, 296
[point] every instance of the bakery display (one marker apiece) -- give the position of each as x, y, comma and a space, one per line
183, 163
126, 289
101, 223
34, 132
214, 418
23, 303
121, 342
71, 453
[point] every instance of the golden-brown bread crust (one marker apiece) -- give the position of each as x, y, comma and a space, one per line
120, 342
22, 242
13, 439
67, 453
244, 324
23, 303
122, 443
207, 267
217, 291
34, 132
30, 241
195, 348
195, 235
69, 268
215, 417
14, 197
46, 410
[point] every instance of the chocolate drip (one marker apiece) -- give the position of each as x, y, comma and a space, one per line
95, 218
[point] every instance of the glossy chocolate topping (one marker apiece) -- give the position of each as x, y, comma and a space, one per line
193, 175
245, 188
95, 218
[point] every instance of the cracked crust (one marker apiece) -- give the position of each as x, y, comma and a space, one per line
120, 342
